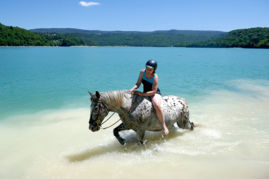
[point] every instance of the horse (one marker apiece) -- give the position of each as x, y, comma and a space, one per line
137, 113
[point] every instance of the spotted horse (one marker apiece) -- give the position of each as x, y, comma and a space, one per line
137, 113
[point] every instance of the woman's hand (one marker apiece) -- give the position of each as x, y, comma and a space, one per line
138, 93
131, 91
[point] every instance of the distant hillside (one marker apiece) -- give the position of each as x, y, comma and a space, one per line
246, 38
15, 36
133, 38
62, 30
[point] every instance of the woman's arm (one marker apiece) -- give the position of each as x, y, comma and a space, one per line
139, 80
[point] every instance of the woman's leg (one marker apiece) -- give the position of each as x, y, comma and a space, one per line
156, 101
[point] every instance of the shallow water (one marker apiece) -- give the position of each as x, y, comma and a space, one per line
232, 141
44, 112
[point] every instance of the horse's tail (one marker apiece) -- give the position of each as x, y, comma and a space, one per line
184, 121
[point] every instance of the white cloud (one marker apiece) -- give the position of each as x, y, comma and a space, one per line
87, 4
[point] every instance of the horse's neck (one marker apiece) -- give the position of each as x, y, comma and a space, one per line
114, 100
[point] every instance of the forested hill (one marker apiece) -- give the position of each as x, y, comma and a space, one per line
133, 38
15, 36
246, 38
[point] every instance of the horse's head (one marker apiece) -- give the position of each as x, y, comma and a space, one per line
98, 112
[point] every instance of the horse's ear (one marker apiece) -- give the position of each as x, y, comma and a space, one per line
92, 96
97, 94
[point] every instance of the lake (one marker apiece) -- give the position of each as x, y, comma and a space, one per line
44, 113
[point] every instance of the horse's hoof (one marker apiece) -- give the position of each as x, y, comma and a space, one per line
192, 125
142, 142
145, 142
125, 148
122, 142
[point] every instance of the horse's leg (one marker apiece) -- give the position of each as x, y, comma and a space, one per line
140, 136
116, 131
184, 121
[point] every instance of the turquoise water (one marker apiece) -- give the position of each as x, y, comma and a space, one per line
44, 113
39, 78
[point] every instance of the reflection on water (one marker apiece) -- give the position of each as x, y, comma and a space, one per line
132, 146
97, 151
233, 133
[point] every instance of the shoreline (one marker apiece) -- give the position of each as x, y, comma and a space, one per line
133, 46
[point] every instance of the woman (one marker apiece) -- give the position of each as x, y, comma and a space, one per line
150, 83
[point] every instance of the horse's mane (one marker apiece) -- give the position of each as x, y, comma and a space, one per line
113, 98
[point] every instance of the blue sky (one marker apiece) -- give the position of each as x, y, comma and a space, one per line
138, 15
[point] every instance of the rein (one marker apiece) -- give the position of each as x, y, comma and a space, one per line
107, 119
111, 124
110, 117
114, 122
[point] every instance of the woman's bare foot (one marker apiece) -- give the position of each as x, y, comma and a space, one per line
165, 130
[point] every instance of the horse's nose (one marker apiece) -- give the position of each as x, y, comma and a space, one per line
93, 128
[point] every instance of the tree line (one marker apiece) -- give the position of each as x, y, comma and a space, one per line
16, 36
131, 38
246, 38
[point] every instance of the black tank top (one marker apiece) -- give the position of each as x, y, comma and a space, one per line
148, 82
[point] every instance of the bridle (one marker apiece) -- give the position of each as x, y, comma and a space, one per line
100, 105
98, 120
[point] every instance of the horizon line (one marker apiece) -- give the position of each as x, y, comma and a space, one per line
171, 29
127, 30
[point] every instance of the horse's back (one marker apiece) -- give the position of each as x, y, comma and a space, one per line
170, 104
173, 102
143, 112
